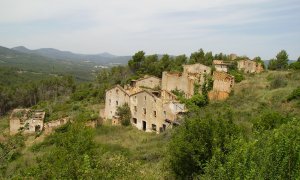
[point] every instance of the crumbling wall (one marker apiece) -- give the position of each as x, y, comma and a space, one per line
249, 66
218, 95
196, 68
148, 81
185, 81
14, 125
222, 86
28, 120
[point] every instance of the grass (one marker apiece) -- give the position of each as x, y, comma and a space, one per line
146, 148
4, 124
254, 94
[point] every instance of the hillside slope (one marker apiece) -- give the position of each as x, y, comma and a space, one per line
102, 58
147, 152
43, 65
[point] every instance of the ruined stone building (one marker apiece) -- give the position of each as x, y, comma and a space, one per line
232, 57
185, 81
147, 81
151, 110
154, 110
118, 96
222, 86
28, 120
249, 66
221, 66
115, 96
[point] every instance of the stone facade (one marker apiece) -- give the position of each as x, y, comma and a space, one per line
27, 120
232, 57
153, 111
220, 66
249, 66
116, 96
149, 108
223, 84
186, 80
147, 81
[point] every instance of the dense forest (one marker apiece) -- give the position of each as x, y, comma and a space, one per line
255, 134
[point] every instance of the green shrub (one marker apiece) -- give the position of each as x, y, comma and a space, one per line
295, 65
194, 143
294, 95
279, 81
269, 120
238, 76
125, 114
271, 155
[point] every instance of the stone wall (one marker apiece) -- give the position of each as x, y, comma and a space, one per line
222, 86
249, 66
29, 121
185, 81
220, 66
143, 106
148, 81
115, 97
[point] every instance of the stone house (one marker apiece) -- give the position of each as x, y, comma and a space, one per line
185, 81
221, 65
222, 86
147, 81
249, 66
115, 96
118, 96
154, 111
28, 120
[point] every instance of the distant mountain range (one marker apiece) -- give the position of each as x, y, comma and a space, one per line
101, 58
39, 64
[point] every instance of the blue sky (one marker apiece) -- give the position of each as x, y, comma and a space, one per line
245, 27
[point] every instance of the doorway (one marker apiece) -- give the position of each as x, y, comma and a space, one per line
144, 125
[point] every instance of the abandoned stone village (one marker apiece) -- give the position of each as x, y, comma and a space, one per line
153, 106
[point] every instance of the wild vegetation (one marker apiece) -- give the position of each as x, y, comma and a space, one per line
252, 135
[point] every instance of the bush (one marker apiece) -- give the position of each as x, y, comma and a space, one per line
278, 82
194, 143
125, 114
238, 76
269, 120
295, 65
271, 155
294, 95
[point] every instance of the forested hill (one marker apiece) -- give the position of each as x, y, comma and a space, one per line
37, 64
101, 58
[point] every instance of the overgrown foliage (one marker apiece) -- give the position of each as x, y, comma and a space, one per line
281, 61
238, 76
278, 81
195, 142
31, 93
271, 155
10, 150
294, 95
295, 65
75, 155
124, 114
